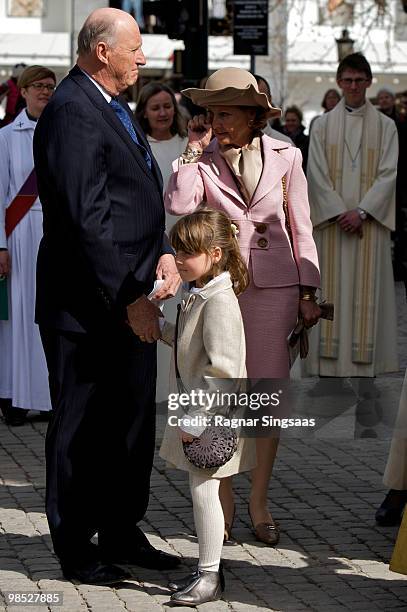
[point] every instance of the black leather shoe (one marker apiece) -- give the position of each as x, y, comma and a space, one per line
207, 586
391, 510
148, 557
14, 417
96, 573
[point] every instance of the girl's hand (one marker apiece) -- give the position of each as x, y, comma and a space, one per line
199, 131
186, 437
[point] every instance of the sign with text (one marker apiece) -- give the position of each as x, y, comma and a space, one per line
250, 27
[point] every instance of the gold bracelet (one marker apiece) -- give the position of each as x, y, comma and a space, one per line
308, 297
191, 155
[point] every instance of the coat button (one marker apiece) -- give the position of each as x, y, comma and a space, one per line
262, 243
261, 229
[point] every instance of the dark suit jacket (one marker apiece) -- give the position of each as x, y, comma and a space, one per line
104, 217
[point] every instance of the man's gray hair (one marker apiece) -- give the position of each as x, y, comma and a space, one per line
93, 32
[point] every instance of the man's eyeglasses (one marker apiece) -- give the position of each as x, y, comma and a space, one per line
349, 82
41, 86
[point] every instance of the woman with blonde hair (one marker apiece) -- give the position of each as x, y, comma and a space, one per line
250, 177
23, 370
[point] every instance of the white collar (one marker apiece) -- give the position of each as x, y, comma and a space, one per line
103, 91
212, 282
23, 122
357, 111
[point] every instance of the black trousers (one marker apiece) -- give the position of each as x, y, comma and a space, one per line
100, 441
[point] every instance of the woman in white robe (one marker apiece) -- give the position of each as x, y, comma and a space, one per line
23, 370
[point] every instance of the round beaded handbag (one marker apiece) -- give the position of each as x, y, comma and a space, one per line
213, 448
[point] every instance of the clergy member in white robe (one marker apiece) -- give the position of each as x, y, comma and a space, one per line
23, 369
352, 177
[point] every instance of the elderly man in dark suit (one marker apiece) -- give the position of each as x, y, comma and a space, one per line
103, 246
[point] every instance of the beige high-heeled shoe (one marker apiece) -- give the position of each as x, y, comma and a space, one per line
228, 527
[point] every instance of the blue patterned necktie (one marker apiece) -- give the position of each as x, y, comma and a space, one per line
126, 121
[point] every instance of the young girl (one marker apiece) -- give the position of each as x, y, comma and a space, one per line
210, 346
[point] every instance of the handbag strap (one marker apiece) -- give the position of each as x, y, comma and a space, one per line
286, 209
177, 374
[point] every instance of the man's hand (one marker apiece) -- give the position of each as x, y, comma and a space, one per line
4, 263
143, 319
167, 271
351, 222
310, 312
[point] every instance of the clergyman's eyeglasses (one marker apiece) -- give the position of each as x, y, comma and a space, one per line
358, 82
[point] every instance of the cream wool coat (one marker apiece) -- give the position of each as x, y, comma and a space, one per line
211, 344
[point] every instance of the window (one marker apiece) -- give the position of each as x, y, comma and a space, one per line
25, 8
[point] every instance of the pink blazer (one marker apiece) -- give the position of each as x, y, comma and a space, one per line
263, 238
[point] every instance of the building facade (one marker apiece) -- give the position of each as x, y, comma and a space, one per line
302, 42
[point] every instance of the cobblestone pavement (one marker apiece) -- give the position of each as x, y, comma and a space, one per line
325, 491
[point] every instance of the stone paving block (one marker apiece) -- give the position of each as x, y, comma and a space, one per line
24, 608
214, 606
328, 607
136, 600
239, 607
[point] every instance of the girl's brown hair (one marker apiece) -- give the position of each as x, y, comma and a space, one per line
204, 230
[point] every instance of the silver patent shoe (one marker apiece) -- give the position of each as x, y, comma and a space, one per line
182, 583
206, 586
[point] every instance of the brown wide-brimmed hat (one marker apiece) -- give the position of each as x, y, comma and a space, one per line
231, 87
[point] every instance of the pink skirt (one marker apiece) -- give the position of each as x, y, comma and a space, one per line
269, 316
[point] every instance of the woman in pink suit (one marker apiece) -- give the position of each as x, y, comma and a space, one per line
240, 172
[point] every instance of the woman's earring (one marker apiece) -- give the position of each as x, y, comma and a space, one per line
250, 123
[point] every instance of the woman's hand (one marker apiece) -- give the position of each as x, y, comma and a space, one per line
199, 132
185, 437
310, 312
4, 263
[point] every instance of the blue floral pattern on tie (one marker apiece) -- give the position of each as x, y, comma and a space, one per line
123, 115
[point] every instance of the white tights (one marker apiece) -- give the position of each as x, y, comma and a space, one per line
209, 521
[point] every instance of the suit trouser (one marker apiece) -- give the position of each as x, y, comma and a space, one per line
100, 441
